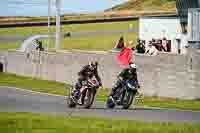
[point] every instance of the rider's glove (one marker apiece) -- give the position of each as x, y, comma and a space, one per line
120, 78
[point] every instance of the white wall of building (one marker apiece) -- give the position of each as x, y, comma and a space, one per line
194, 24
159, 27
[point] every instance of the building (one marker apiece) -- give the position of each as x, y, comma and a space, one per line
160, 27
183, 6
181, 29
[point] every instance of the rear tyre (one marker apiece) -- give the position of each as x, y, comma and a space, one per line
83, 97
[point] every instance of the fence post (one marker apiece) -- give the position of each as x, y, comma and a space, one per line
1, 67
3, 64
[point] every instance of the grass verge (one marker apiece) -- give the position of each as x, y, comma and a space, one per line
42, 123
5, 45
86, 42
70, 28
53, 87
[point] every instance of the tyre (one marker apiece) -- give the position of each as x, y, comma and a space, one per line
71, 103
89, 98
128, 99
83, 97
121, 99
110, 103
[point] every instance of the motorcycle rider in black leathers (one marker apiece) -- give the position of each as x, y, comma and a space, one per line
87, 71
129, 73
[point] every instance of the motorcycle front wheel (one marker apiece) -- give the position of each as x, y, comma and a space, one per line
71, 103
89, 98
110, 103
128, 99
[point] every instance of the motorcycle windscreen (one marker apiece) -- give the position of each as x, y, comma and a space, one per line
131, 85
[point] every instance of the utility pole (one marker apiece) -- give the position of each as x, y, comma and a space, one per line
58, 24
49, 23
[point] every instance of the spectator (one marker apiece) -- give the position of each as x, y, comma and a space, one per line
140, 47
153, 41
151, 50
147, 46
120, 44
160, 44
156, 44
39, 47
164, 44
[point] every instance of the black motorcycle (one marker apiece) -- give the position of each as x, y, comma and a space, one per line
87, 94
124, 96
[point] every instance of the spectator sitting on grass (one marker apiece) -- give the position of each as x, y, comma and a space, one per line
120, 44
140, 47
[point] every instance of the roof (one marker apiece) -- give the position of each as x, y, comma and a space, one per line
183, 6
160, 17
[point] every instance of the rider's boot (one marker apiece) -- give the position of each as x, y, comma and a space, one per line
117, 86
112, 95
80, 102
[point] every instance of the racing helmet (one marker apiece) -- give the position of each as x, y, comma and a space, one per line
132, 67
91, 65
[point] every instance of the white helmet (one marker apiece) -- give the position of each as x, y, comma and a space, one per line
132, 65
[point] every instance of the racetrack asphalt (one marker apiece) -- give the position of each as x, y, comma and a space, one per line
18, 100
